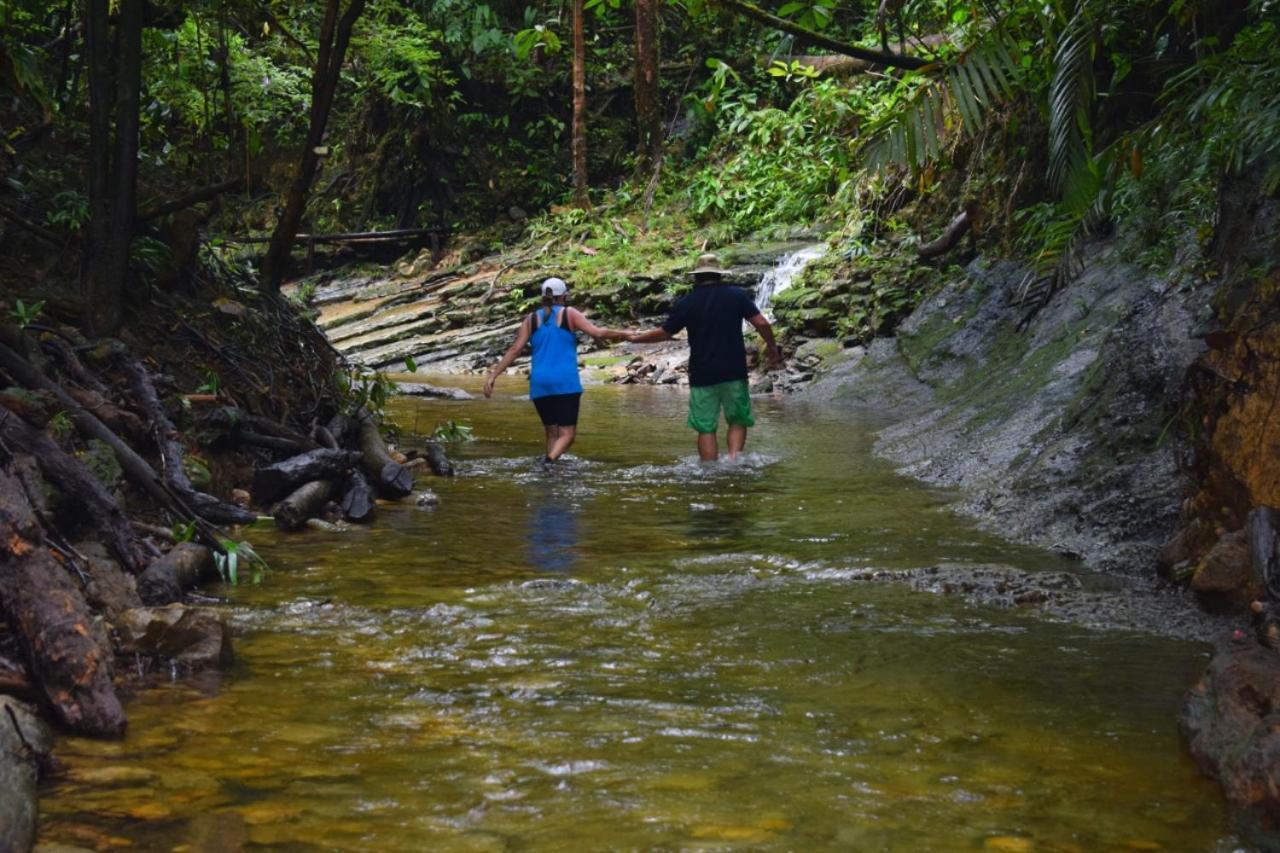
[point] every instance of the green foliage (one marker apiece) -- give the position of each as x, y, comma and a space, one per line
401, 62
233, 555
360, 391
24, 314
69, 211
60, 426
184, 531
452, 431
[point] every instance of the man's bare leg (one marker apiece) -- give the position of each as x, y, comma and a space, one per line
553, 433
737, 440
708, 450
564, 440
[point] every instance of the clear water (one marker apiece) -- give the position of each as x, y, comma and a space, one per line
633, 652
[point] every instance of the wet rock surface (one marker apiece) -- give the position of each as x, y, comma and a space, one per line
24, 740
190, 639
1231, 721
1056, 430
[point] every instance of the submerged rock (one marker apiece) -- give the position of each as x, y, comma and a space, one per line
1231, 721
192, 639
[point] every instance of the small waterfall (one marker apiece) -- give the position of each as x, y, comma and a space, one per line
780, 277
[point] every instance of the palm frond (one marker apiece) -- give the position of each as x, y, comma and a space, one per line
969, 86
1071, 96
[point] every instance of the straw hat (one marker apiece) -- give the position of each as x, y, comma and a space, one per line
708, 264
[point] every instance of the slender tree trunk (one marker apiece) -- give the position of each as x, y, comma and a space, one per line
578, 137
645, 86
113, 180
335, 34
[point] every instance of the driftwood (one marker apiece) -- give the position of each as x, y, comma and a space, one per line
134, 466
24, 743
171, 451
342, 428
321, 436
255, 429
184, 567
437, 459
66, 649
964, 223
78, 483
388, 476
358, 499
305, 502
271, 482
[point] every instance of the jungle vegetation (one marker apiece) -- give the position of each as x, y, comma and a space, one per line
675, 124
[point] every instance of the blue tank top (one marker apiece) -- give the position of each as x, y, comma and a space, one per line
555, 356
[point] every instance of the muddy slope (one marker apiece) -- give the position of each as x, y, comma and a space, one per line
1058, 427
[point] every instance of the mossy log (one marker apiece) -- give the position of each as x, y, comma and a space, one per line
305, 502
388, 476
271, 482
185, 566
66, 649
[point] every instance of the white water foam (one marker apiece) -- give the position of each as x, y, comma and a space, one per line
783, 274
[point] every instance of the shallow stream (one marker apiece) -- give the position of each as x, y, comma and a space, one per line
634, 651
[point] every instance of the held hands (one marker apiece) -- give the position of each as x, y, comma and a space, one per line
773, 357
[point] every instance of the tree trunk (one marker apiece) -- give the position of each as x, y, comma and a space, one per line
324, 83
305, 502
77, 482
808, 36
113, 182
271, 482
65, 648
358, 500
578, 133
646, 88
388, 476
185, 566
171, 452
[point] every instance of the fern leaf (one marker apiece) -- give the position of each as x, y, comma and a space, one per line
1070, 96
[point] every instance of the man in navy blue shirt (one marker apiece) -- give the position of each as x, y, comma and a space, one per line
713, 314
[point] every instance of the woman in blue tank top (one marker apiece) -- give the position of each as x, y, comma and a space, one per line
554, 386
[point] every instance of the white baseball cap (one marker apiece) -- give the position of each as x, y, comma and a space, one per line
554, 287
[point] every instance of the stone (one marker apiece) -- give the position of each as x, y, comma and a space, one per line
193, 639
423, 389
1228, 720
426, 499
1223, 579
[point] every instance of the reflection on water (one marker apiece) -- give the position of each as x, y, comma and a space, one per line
551, 534
636, 651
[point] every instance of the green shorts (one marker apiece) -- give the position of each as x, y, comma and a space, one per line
706, 401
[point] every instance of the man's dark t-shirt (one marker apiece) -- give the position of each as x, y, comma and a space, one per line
713, 314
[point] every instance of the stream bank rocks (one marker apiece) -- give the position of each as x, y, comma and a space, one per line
1231, 722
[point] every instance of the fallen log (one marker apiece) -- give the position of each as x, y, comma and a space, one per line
15, 681
437, 459
73, 478
185, 566
959, 226
254, 429
342, 428
171, 451
134, 466
65, 648
388, 476
24, 743
358, 500
321, 436
271, 482
349, 236
305, 501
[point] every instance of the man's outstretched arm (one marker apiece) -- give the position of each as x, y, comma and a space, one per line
652, 336
773, 355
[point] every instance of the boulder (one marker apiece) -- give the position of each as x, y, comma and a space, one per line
1223, 580
192, 639
1231, 720
20, 758
423, 389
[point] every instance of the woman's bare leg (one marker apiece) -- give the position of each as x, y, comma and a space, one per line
563, 441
